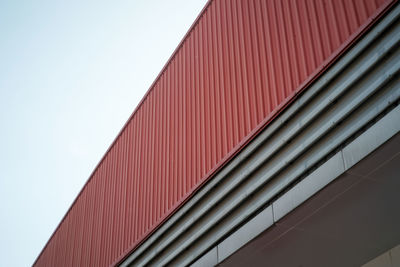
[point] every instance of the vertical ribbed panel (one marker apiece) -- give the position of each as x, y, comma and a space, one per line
239, 62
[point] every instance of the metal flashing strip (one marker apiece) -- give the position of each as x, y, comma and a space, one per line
359, 148
362, 146
344, 102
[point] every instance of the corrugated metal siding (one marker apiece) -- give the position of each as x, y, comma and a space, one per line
238, 63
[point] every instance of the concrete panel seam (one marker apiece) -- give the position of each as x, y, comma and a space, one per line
245, 233
373, 138
309, 186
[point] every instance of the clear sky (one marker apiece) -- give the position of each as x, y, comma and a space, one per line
71, 73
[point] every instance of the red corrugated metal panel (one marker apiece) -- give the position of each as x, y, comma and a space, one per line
238, 64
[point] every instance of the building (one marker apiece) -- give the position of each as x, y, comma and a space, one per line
270, 138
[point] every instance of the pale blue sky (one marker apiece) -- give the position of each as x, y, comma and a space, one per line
71, 73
